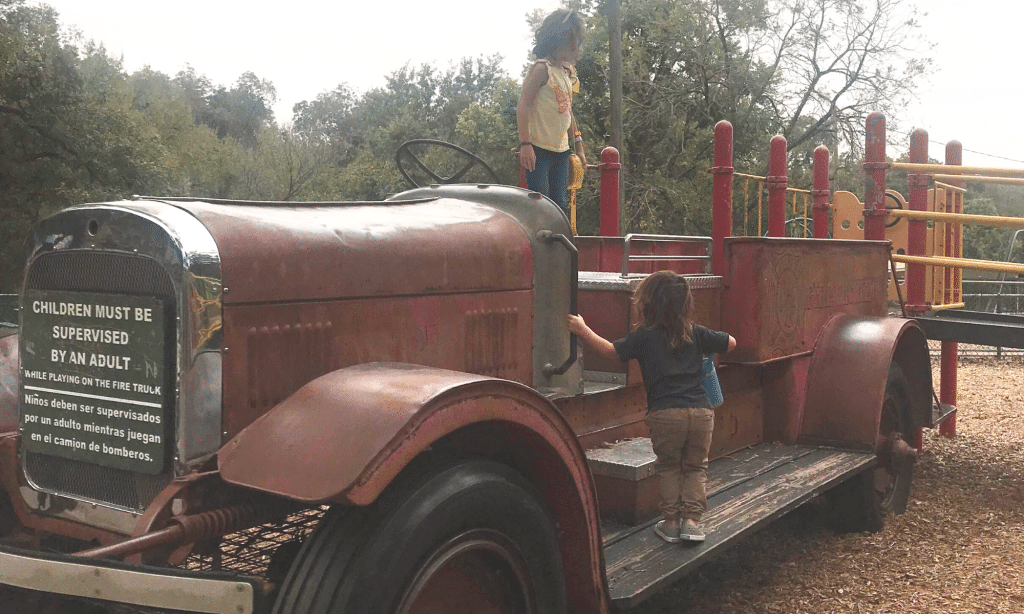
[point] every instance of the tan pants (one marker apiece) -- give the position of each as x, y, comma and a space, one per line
682, 438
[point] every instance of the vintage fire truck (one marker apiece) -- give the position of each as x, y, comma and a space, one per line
376, 407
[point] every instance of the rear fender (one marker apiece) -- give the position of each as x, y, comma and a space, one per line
847, 376
346, 435
9, 372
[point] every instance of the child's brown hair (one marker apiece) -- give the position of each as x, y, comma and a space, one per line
562, 24
663, 300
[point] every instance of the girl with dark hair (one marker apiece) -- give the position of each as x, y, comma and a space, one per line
670, 349
547, 128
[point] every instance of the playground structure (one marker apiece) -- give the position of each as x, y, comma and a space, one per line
389, 359
925, 229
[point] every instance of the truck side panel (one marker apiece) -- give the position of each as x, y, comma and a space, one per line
781, 292
276, 349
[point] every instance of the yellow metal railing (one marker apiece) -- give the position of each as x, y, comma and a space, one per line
963, 218
796, 214
760, 183
747, 179
961, 263
948, 218
931, 169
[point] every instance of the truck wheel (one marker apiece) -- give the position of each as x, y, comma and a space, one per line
470, 538
864, 502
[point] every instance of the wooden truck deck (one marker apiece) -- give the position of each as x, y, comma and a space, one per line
746, 490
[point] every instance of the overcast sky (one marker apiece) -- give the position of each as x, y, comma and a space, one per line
306, 47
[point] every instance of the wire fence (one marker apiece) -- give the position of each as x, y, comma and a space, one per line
990, 296
994, 296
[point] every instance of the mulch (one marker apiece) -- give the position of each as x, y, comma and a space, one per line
958, 549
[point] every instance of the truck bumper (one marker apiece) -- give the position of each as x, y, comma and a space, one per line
118, 582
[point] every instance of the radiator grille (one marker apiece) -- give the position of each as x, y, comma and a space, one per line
116, 274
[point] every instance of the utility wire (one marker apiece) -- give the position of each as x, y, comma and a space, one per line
981, 153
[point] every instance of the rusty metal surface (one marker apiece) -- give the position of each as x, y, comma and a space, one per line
308, 252
847, 377
740, 420
273, 350
780, 292
346, 435
785, 392
9, 383
551, 274
319, 443
607, 416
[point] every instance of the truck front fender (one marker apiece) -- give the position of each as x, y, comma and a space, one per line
345, 436
8, 382
847, 377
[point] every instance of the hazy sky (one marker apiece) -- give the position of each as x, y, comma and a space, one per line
306, 47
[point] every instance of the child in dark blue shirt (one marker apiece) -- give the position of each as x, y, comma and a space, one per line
670, 349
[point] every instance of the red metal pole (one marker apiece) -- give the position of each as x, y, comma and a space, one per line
917, 230
610, 168
721, 221
778, 180
874, 178
950, 349
820, 192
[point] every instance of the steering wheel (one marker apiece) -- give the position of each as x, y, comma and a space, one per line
405, 150
899, 205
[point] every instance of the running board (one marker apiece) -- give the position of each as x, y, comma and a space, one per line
639, 563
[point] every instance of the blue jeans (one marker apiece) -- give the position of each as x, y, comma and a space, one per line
550, 176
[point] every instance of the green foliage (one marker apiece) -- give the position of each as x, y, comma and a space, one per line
75, 128
239, 112
68, 131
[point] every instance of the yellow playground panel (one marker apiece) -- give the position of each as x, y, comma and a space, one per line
848, 223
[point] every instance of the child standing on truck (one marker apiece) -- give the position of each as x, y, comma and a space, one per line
670, 349
547, 127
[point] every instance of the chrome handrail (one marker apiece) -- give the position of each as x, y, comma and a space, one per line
626, 258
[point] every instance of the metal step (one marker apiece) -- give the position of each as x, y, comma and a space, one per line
639, 563
977, 327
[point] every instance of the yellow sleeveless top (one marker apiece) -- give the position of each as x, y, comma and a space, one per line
552, 110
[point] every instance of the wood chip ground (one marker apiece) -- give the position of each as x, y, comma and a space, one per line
958, 550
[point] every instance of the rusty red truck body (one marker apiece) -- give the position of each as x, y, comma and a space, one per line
235, 407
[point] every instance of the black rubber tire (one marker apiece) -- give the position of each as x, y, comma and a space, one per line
363, 560
858, 506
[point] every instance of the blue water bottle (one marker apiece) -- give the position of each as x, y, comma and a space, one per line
711, 385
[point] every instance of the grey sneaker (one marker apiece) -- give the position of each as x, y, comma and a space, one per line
667, 534
691, 533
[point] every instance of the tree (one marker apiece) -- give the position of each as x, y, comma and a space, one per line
807, 70
472, 104
240, 112
68, 132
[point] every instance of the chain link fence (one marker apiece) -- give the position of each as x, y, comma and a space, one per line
990, 296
